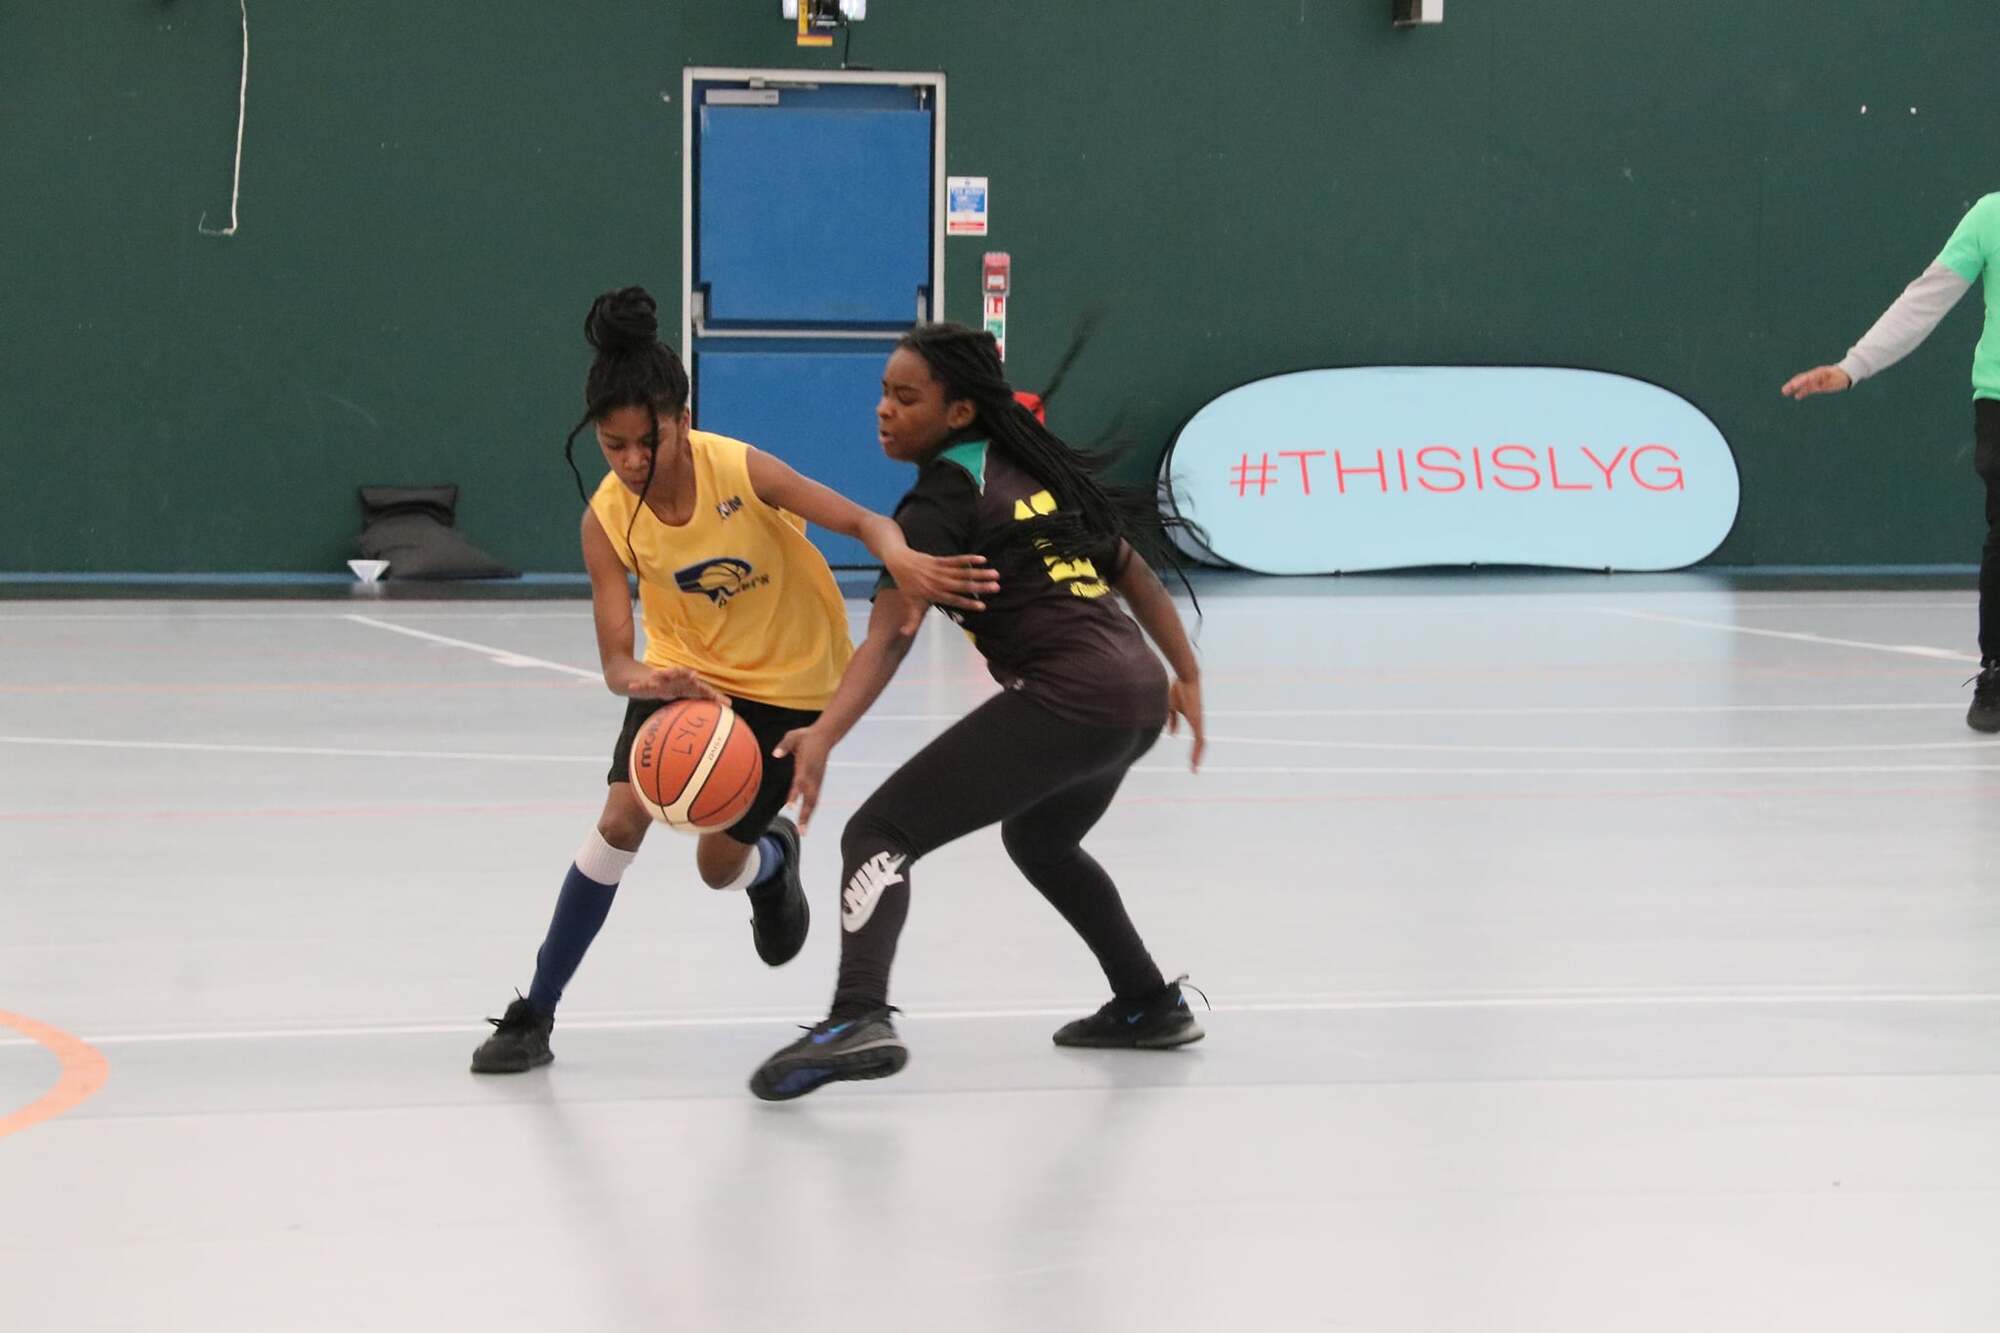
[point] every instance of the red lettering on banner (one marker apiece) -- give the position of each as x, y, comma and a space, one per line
1604, 467
1679, 482
1242, 476
1555, 479
1501, 465
1342, 472
1458, 477
1305, 476
1443, 469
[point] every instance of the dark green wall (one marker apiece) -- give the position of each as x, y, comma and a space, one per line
1684, 192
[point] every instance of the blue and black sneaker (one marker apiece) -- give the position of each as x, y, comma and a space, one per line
1151, 1023
832, 1050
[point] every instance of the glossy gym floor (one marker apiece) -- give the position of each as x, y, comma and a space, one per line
1585, 954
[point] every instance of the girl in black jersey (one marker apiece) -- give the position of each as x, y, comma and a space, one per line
1084, 698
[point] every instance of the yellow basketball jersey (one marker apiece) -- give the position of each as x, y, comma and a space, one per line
737, 593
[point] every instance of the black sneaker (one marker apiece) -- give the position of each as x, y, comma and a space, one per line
779, 916
520, 1041
1984, 714
865, 1047
1154, 1024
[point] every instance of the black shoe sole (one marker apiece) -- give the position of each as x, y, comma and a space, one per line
513, 1067
1159, 1041
1987, 724
878, 1063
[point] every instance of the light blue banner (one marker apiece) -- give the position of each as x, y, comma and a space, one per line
1330, 471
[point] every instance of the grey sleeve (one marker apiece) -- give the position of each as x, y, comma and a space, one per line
1906, 323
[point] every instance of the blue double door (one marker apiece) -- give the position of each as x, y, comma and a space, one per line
814, 234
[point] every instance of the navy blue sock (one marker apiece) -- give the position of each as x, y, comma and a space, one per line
580, 912
770, 854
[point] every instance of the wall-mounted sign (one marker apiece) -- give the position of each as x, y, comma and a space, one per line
1331, 471
996, 276
996, 273
966, 199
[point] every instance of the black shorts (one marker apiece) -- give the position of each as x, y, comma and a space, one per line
767, 723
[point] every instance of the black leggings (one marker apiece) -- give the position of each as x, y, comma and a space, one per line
1046, 782
1986, 457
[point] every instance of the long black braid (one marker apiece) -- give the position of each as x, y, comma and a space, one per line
1091, 512
633, 368
1086, 329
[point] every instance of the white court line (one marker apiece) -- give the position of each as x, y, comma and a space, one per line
332, 751
1332, 1005
1971, 603
1333, 607
179, 611
308, 751
1580, 710
1905, 649
1705, 770
502, 656
337, 752
1585, 710
1149, 770
1416, 747
508, 657
1265, 606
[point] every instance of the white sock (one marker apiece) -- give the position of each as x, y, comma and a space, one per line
745, 877
601, 862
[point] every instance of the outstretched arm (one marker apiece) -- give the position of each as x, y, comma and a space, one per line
952, 580
1917, 312
1899, 332
873, 666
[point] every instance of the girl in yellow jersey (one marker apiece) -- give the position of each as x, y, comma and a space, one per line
738, 605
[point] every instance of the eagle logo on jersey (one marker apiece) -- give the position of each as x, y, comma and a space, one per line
718, 579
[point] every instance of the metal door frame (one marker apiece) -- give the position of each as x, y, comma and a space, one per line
780, 78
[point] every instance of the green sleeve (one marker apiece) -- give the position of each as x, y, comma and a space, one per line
1972, 246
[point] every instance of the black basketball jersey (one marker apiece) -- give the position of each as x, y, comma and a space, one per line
1056, 629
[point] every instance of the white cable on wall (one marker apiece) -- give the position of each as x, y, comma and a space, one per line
242, 106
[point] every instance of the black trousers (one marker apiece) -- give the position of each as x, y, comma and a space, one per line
1986, 457
1046, 782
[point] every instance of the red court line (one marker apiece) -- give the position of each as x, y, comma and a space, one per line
298, 812
287, 687
1501, 797
84, 1070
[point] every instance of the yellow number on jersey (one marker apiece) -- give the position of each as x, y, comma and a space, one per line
1080, 575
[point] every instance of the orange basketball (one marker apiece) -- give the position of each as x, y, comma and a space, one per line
696, 766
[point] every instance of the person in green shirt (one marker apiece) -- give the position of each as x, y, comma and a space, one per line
1972, 255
